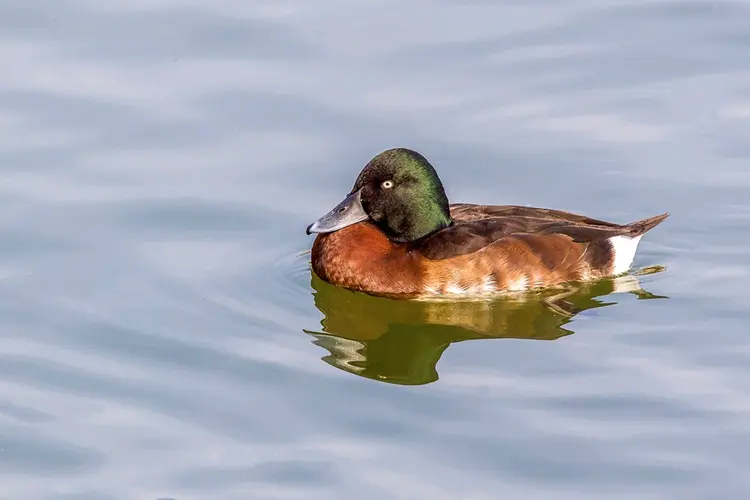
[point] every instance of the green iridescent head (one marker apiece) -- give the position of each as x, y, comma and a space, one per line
400, 192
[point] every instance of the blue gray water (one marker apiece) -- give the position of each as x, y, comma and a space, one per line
160, 334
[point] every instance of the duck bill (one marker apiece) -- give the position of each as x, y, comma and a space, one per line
346, 213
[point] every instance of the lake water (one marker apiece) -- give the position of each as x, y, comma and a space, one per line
161, 335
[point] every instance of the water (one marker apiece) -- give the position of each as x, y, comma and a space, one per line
162, 337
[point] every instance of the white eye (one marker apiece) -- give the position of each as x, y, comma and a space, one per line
387, 184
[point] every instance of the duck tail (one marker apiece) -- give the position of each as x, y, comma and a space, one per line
640, 227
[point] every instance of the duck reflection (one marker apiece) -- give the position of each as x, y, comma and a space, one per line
401, 341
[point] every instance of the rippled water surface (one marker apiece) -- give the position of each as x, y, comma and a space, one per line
163, 338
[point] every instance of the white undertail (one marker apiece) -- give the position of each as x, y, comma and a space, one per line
624, 248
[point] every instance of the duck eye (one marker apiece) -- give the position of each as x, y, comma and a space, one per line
387, 184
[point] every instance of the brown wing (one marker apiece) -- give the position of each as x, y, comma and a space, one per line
477, 226
467, 212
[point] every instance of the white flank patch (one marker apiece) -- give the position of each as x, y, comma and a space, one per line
625, 249
456, 289
489, 284
487, 288
519, 285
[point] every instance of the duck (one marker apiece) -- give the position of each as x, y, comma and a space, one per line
396, 234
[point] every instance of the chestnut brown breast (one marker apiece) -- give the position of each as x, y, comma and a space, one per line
360, 257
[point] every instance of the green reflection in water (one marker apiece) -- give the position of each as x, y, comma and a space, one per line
401, 341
